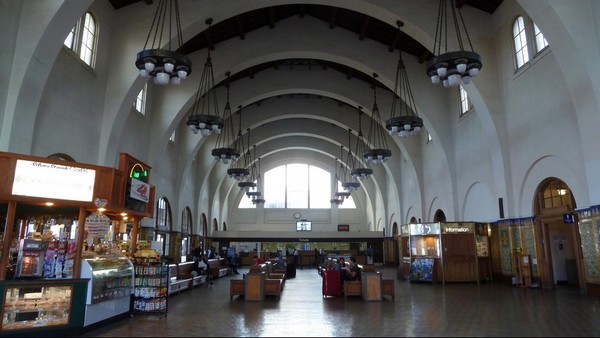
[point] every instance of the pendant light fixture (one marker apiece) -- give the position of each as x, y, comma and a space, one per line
378, 151
258, 198
238, 169
205, 117
455, 67
349, 182
249, 183
225, 150
404, 120
342, 177
164, 65
359, 171
335, 199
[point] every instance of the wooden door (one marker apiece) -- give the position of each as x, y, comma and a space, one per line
459, 257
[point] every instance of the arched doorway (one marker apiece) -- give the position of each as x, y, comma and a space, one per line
439, 216
557, 240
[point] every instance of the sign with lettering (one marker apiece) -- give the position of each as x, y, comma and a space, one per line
457, 228
140, 190
49, 180
343, 227
97, 225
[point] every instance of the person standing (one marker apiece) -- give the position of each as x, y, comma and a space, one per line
295, 254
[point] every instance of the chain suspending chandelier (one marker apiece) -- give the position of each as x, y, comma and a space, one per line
336, 198
342, 177
357, 170
225, 149
377, 151
249, 183
404, 120
349, 184
205, 117
239, 170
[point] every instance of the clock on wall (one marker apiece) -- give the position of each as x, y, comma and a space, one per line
297, 215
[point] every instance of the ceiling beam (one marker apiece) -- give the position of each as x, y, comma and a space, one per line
332, 20
365, 27
207, 36
271, 17
240, 27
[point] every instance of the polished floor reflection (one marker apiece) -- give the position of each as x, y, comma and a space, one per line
457, 310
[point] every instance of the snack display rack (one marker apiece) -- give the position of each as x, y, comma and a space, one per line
151, 285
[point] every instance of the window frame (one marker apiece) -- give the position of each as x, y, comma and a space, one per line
521, 52
284, 168
535, 42
80, 42
140, 102
465, 103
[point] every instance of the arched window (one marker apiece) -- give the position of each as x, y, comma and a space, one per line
82, 39
439, 216
524, 30
465, 104
140, 100
163, 225
520, 41
540, 40
186, 232
298, 186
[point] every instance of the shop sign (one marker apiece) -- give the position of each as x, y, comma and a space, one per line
49, 180
458, 228
139, 190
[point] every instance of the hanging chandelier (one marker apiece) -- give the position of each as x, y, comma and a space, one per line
456, 67
205, 116
249, 183
357, 171
256, 196
349, 185
336, 198
238, 170
341, 194
164, 65
403, 115
223, 150
378, 152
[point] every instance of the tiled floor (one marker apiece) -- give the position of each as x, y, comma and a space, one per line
461, 310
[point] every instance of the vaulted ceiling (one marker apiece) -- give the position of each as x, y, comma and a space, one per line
365, 27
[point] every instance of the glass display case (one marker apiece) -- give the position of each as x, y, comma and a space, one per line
41, 305
425, 252
110, 287
110, 277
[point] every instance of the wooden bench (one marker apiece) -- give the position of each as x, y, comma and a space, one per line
271, 286
185, 271
218, 267
354, 288
236, 288
178, 282
388, 288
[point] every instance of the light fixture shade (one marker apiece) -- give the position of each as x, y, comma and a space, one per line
450, 65
156, 61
